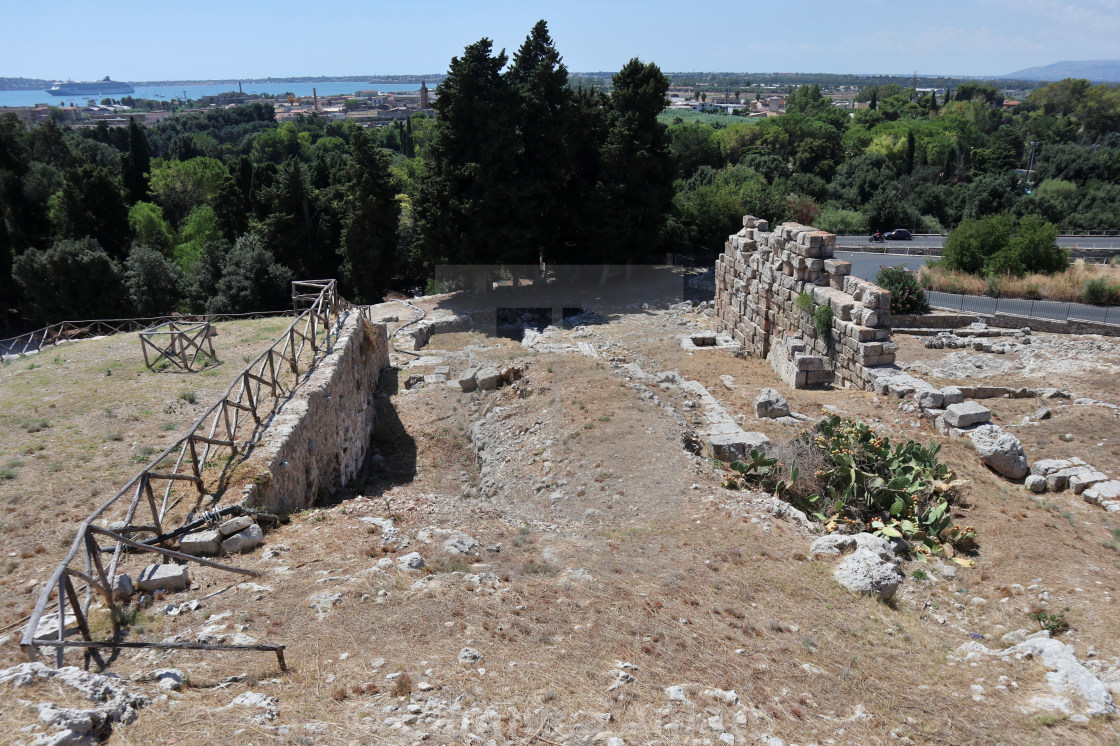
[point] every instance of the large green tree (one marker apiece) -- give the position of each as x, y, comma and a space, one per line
635, 189
370, 215
466, 205
137, 163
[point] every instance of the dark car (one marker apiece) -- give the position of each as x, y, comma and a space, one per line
898, 234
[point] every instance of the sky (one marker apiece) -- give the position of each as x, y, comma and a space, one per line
207, 39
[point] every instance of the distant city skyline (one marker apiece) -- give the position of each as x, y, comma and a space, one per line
60, 39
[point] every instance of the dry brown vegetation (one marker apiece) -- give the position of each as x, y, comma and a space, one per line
1062, 286
690, 583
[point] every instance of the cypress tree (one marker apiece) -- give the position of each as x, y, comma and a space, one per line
465, 204
543, 118
370, 214
137, 163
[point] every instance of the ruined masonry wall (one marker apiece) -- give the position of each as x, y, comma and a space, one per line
319, 440
758, 279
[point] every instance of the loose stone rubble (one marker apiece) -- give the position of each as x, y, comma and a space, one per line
114, 703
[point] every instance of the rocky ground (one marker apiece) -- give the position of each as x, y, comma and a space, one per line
552, 561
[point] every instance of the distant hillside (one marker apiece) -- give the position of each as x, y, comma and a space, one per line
1098, 71
24, 84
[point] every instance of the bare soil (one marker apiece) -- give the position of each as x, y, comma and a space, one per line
602, 542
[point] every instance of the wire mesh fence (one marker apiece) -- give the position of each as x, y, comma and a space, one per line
1033, 309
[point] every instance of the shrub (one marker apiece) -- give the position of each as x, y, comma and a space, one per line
992, 286
74, 279
152, 281
907, 295
251, 280
804, 302
822, 322
1095, 291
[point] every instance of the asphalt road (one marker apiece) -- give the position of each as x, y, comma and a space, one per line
936, 242
866, 266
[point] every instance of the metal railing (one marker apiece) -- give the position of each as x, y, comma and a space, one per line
65, 331
234, 422
1033, 309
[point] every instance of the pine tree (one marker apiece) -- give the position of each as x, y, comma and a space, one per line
370, 214
636, 179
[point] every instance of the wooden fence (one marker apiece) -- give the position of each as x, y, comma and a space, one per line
65, 331
178, 343
189, 468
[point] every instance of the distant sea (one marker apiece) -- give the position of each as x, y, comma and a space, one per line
166, 93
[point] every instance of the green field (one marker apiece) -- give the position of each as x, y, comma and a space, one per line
718, 120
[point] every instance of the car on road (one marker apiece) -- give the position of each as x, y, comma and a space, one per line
898, 234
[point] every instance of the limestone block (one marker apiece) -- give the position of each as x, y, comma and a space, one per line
999, 450
244, 540
488, 379
200, 543
837, 267
966, 414
952, 395
122, 586
737, 446
233, 525
165, 577
467, 380
1046, 466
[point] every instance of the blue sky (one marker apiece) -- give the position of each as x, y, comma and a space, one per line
257, 38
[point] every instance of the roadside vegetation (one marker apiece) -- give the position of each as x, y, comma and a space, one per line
1081, 282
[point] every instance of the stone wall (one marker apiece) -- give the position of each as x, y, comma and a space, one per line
758, 280
319, 439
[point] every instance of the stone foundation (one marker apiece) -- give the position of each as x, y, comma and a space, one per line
758, 280
319, 439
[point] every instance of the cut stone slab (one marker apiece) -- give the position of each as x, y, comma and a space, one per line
930, 399
966, 414
233, 525
201, 543
736, 446
1000, 451
244, 540
165, 577
1045, 467
1084, 479
1035, 483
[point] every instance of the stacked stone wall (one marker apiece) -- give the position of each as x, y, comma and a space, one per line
319, 439
758, 280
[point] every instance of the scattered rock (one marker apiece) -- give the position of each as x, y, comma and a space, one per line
410, 561
1035, 483
469, 656
770, 405
865, 571
1000, 451
233, 525
200, 543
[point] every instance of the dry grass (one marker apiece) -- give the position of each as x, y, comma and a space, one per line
691, 586
1062, 286
76, 422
